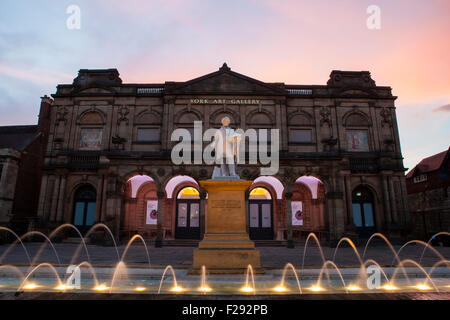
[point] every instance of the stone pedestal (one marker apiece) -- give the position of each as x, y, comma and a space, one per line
226, 246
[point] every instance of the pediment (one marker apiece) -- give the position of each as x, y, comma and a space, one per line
224, 81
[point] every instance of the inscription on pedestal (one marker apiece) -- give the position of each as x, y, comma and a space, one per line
226, 204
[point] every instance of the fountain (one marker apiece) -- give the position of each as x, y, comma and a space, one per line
33, 271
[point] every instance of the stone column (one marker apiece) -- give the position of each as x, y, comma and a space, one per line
348, 202
202, 213
393, 201
103, 213
62, 189
290, 241
42, 193
159, 231
247, 211
55, 197
386, 205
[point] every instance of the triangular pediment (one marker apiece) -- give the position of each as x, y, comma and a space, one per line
225, 81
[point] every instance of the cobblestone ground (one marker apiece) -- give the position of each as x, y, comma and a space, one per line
181, 257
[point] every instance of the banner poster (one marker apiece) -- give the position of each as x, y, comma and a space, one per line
152, 212
297, 213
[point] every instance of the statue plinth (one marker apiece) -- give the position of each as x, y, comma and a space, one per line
226, 246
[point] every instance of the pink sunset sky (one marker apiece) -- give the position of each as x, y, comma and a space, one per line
296, 42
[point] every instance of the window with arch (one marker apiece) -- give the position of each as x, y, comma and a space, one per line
85, 199
363, 210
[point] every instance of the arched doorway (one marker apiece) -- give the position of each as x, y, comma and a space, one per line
260, 214
307, 207
363, 211
141, 207
84, 208
187, 218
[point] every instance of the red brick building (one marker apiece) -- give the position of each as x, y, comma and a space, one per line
427, 186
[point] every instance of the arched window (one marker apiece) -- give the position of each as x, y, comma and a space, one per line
84, 207
187, 224
363, 211
260, 214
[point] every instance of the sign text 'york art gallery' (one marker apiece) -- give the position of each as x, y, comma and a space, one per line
224, 101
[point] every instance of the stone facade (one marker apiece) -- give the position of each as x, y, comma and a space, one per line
344, 133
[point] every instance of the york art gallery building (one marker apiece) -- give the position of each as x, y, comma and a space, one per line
108, 157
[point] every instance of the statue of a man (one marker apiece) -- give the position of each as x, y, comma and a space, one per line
226, 144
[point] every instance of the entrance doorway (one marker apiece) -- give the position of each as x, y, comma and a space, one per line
363, 212
84, 208
187, 220
260, 214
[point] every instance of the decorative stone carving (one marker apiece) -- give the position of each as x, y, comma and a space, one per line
325, 116
386, 115
61, 115
123, 113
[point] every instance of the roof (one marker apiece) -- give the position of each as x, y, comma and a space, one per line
429, 164
17, 137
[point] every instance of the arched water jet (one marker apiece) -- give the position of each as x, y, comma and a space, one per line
383, 237
17, 238
403, 262
283, 277
325, 267
92, 229
426, 245
105, 227
67, 225
352, 245
133, 238
15, 269
445, 233
437, 264
176, 287
246, 288
44, 264
312, 235
47, 239
91, 270
379, 267
120, 269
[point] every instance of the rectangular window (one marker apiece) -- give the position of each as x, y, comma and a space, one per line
79, 214
420, 178
148, 135
194, 219
91, 139
266, 218
182, 215
357, 219
254, 215
357, 140
300, 135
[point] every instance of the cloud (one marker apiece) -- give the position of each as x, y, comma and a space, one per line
36, 75
444, 108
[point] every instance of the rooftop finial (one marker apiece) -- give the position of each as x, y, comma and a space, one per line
225, 67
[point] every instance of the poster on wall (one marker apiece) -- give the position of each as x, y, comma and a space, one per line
152, 212
297, 213
91, 139
357, 140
